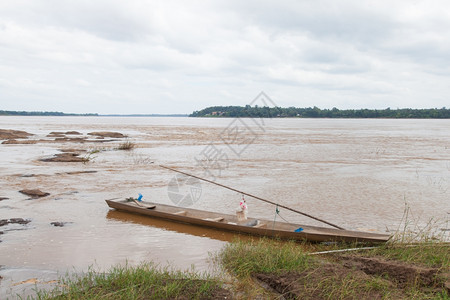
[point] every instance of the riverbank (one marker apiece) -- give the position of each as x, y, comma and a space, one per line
391, 271
271, 269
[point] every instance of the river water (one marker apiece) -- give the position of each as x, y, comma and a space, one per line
359, 174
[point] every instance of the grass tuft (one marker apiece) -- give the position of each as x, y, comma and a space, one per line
127, 145
143, 282
412, 230
263, 256
433, 255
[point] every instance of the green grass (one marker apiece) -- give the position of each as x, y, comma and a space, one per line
304, 276
316, 277
436, 255
347, 286
90, 154
263, 256
143, 282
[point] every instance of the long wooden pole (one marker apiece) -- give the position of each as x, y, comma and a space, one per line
253, 196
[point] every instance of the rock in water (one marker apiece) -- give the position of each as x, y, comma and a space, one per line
107, 134
36, 193
73, 132
19, 221
60, 224
6, 134
20, 142
65, 157
14, 221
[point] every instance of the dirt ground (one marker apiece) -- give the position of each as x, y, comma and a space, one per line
342, 270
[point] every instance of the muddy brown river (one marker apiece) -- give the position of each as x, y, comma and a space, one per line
359, 174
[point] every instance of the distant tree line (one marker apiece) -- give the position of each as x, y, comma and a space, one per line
315, 112
39, 113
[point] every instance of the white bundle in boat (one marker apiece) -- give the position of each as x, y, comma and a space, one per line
242, 211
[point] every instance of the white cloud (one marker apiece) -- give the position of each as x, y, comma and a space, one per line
176, 56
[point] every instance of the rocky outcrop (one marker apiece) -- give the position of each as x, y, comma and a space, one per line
73, 132
20, 142
6, 134
14, 221
4, 222
34, 193
65, 157
72, 150
109, 134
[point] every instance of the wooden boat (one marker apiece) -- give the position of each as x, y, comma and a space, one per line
251, 226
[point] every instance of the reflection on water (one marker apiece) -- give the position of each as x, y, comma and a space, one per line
173, 226
354, 173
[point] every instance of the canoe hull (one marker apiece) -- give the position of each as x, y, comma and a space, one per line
230, 223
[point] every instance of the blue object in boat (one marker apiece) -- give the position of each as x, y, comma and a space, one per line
140, 197
298, 229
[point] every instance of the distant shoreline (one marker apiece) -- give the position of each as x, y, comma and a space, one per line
61, 114
146, 115
266, 112
42, 113
315, 112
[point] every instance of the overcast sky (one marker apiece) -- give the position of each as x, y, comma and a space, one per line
179, 56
